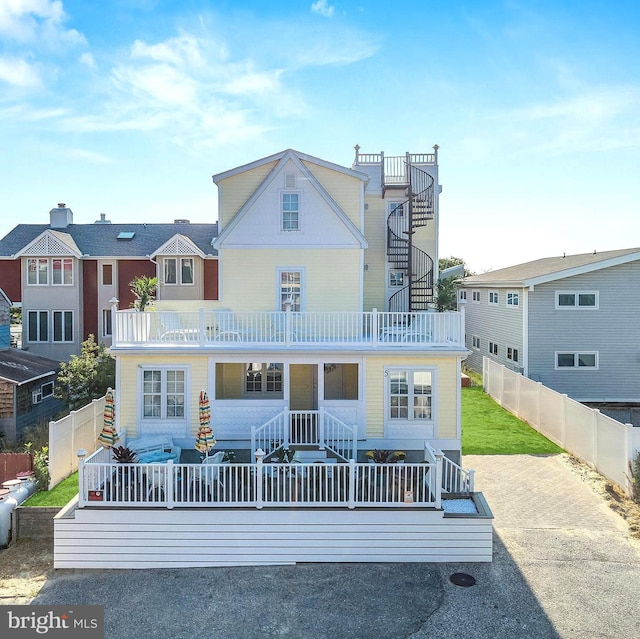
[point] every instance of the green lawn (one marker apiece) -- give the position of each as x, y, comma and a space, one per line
60, 496
488, 429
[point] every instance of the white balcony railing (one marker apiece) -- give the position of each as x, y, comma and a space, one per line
216, 329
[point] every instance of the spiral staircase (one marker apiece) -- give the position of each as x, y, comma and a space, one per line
402, 254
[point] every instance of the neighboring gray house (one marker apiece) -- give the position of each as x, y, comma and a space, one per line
570, 322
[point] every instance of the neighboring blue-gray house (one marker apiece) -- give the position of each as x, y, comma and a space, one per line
27, 383
571, 322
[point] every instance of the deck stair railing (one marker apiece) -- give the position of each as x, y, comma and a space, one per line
455, 479
316, 428
403, 255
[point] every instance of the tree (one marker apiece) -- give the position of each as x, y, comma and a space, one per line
144, 288
448, 262
86, 377
447, 294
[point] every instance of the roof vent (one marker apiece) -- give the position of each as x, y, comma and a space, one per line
181, 221
103, 219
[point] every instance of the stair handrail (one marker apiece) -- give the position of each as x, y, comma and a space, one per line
272, 435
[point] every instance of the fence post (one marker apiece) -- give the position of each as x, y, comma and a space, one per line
596, 419
628, 456
286, 436
169, 496
202, 330
259, 473
352, 484
81, 483
472, 479
374, 327
438, 487
321, 433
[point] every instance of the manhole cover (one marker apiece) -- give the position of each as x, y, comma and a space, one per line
462, 579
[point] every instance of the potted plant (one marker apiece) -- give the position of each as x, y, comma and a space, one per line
144, 289
126, 476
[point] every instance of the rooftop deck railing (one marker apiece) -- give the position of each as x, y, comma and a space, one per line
218, 329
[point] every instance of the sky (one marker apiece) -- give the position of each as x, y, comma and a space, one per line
128, 107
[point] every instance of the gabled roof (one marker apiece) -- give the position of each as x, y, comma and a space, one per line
19, 366
178, 245
549, 269
296, 158
277, 157
101, 240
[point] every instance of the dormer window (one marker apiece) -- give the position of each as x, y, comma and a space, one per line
171, 273
290, 212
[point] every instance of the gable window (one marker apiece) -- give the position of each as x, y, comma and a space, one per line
171, 273
163, 393
512, 354
290, 289
493, 348
62, 326
37, 271
577, 299
264, 379
396, 278
107, 274
493, 297
513, 299
576, 360
475, 296
62, 271
409, 394
290, 212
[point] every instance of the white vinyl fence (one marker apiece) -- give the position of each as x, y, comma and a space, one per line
584, 432
79, 429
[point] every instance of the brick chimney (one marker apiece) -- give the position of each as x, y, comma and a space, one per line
61, 216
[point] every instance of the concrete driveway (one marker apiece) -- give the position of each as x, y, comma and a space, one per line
564, 567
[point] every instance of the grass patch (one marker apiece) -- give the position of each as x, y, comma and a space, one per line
488, 429
59, 496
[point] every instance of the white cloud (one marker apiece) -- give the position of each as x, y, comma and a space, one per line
323, 8
19, 73
89, 156
37, 23
86, 59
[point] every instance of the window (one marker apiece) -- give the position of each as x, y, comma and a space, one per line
47, 390
262, 378
513, 299
576, 360
512, 354
171, 275
106, 323
475, 296
575, 299
410, 393
37, 271
396, 278
493, 297
62, 271
475, 341
38, 326
290, 290
290, 212
340, 381
186, 270
463, 295
396, 209
163, 393
62, 326
493, 348
107, 274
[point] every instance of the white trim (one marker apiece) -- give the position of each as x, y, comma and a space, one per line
475, 292
493, 298
290, 269
576, 306
515, 295
163, 423
423, 427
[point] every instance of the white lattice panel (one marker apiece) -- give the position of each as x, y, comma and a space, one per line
48, 245
236, 422
409, 431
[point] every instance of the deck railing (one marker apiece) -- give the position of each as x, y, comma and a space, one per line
454, 478
220, 329
259, 485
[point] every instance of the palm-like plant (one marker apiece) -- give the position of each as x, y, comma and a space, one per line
144, 288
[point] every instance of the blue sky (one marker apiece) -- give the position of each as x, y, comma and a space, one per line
127, 107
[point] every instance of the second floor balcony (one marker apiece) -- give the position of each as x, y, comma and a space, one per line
224, 329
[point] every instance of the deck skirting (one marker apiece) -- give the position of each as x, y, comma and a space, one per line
161, 538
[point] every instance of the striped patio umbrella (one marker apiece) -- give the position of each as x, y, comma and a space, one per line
108, 436
205, 440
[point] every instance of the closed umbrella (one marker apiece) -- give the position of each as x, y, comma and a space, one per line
108, 436
205, 440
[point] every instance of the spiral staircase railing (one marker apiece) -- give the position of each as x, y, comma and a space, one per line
402, 254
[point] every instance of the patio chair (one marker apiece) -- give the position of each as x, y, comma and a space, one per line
211, 476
